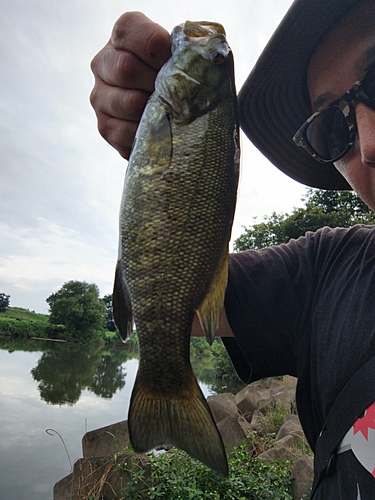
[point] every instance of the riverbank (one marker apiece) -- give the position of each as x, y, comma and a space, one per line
267, 453
16, 322
19, 323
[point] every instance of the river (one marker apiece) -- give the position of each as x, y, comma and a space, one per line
69, 390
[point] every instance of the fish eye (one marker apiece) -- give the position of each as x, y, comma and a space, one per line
217, 57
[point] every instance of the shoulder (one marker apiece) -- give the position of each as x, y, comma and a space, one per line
328, 236
341, 237
305, 251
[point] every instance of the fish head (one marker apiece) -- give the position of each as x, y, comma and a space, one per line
200, 72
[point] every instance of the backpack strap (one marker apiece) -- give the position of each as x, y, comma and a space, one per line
356, 396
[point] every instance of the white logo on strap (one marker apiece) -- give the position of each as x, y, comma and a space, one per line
361, 440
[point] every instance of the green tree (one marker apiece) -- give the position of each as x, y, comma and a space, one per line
77, 306
110, 324
4, 302
322, 208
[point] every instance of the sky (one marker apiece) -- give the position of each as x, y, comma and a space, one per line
60, 182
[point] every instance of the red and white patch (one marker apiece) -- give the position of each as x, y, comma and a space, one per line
361, 439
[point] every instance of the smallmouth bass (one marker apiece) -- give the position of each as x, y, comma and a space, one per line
176, 217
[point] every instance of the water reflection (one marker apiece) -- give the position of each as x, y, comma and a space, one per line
64, 371
109, 378
71, 389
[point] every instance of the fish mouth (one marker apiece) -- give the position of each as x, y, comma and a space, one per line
200, 32
194, 30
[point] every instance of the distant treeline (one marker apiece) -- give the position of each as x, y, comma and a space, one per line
16, 322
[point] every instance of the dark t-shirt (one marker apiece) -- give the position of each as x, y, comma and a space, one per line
306, 309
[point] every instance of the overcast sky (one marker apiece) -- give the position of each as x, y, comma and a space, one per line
60, 183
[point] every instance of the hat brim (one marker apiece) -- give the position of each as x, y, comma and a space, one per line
274, 100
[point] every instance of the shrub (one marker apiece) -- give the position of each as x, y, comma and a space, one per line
175, 475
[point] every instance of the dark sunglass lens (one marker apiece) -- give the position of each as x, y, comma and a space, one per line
328, 134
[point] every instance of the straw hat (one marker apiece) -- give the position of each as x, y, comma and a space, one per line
274, 100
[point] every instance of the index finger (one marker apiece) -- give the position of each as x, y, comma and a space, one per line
136, 33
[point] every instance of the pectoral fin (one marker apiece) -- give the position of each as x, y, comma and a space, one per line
122, 309
210, 309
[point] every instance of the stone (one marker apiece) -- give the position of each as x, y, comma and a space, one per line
291, 427
222, 406
252, 397
273, 384
289, 381
265, 401
246, 401
102, 478
232, 433
106, 441
286, 396
292, 417
285, 449
63, 488
262, 394
302, 477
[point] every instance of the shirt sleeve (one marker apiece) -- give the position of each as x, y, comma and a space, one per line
267, 303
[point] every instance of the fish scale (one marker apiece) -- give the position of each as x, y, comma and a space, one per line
175, 223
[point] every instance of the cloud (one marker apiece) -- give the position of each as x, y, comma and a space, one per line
60, 183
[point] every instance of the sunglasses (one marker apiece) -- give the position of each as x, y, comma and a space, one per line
329, 134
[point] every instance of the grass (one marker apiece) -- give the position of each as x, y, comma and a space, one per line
18, 322
24, 314
176, 476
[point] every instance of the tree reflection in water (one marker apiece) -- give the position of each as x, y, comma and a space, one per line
64, 371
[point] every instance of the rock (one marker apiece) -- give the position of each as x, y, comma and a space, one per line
252, 397
222, 406
286, 396
291, 427
273, 384
246, 401
302, 476
244, 424
262, 394
232, 432
106, 441
289, 381
291, 416
101, 477
63, 489
285, 449
266, 400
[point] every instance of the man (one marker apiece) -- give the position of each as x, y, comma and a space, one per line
306, 308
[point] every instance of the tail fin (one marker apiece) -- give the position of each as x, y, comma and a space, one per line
183, 422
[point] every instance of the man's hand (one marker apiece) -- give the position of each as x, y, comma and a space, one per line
125, 71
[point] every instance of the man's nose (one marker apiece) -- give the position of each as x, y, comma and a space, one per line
365, 118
